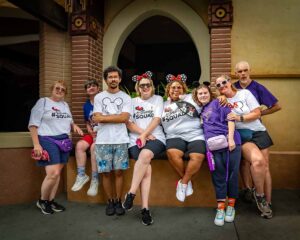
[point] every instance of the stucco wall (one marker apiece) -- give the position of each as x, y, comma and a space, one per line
267, 34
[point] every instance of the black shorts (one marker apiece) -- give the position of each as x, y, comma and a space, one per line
262, 139
154, 146
197, 146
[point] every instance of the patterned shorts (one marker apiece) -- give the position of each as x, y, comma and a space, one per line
111, 157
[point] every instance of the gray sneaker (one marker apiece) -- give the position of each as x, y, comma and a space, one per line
263, 206
79, 183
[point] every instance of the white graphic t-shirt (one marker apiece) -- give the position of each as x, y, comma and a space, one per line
109, 104
243, 102
143, 111
52, 118
179, 124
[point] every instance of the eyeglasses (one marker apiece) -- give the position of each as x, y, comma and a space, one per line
221, 84
60, 89
243, 70
145, 85
176, 87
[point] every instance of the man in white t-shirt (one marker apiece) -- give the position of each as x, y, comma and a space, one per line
112, 110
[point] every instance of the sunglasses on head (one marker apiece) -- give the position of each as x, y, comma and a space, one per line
60, 89
221, 84
145, 85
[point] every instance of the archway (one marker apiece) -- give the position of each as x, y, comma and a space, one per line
160, 45
138, 11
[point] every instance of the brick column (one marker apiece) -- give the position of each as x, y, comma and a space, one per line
55, 59
87, 59
220, 22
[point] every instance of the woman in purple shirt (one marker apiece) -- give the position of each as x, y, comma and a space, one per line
227, 160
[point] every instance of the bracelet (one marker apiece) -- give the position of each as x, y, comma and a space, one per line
242, 118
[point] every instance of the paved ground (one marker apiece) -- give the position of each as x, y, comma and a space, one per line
87, 221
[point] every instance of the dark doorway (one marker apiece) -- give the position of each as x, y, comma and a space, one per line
19, 68
160, 45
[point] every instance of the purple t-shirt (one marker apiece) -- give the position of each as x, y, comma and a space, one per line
260, 92
215, 122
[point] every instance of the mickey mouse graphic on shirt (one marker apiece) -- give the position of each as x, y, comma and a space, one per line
112, 106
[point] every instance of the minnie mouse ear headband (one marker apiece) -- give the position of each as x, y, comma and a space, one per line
179, 77
147, 75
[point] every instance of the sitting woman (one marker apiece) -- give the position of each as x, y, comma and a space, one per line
51, 119
146, 140
226, 154
245, 111
184, 134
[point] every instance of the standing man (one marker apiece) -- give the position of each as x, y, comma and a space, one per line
266, 98
112, 110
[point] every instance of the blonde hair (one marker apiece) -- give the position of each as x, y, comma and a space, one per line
195, 91
226, 77
61, 82
137, 84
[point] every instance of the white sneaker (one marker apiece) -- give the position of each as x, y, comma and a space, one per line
230, 214
79, 183
189, 190
181, 191
220, 217
93, 190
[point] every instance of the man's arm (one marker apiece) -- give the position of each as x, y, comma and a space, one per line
276, 107
114, 118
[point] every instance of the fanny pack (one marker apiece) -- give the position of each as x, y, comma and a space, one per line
217, 142
65, 145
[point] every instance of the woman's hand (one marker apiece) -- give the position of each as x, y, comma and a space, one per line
151, 137
231, 144
37, 148
143, 140
222, 100
233, 117
77, 129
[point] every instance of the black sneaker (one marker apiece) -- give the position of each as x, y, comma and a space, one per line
118, 207
128, 203
110, 208
146, 217
247, 195
45, 206
56, 207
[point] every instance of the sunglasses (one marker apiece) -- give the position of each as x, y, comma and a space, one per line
60, 89
221, 84
145, 85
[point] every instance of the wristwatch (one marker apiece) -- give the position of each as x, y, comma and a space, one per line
242, 118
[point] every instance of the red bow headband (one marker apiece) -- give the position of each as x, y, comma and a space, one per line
147, 75
179, 77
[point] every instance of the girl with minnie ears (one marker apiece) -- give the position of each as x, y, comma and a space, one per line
183, 133
146, 140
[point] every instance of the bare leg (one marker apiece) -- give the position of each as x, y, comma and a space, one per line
193, 166
140, 169
268, 179
107, 185
51, 181
119, 183
80, 153
246, 173
258, 169
145, 187
93, 158
175, 159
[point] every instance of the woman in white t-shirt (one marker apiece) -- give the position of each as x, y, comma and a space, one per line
147, 139
184, 133
246, 113
51, 119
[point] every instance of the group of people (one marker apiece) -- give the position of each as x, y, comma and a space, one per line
186, 125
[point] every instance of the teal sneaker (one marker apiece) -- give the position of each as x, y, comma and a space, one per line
220, 217
230, 214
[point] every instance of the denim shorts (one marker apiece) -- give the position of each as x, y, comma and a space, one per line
154, 146
262, 139
56, 156
111, 157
